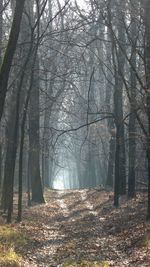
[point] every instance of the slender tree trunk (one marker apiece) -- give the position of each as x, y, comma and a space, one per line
1, 28
110, 123
10, 152
148, 158
147, 74
13, 159
91, 169
110, 170
22, 134
46, 134
13, 143
132, 118
117, 169
118, 63
34, 142
132, 149
119, 112
0, 169
29, 184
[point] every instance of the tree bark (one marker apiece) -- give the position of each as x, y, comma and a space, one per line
110, 169
10, 152
1, 28
147, 75
132, 118
117, 169
10, 51
34, 142
118, 63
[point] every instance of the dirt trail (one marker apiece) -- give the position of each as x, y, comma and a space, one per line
83, 224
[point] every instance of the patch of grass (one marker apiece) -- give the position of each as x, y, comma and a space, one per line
9, 258
146, 242
9, 236
10, 239
86, 263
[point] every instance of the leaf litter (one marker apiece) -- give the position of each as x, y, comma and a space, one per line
82, 228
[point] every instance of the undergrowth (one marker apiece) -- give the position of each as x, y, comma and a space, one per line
10, 240
145, 243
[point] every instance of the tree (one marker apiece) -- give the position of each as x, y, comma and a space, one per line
34, 142
132, 117
147, 89
9, 53
1, 36
118, 64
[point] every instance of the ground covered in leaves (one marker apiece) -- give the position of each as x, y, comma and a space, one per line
82, 228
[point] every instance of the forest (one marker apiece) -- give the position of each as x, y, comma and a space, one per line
75, 131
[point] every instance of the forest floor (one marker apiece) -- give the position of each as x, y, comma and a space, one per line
82, 228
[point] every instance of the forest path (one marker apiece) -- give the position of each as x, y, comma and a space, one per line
83, 224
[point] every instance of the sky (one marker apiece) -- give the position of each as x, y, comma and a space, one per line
81, 3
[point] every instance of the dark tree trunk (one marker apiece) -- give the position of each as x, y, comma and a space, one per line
22, 134
132, 140
117, 169
13, 157
20, 172
110, 170
46, 153
91, 168
9, 53
147, 69
119, 114
110, 123
132, 118
34, 142
148, 158
1, 30
118, 63
132, 146
9, 164
0, 166
1, 27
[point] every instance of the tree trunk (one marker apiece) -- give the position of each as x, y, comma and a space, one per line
0, 166
147, 74
119, 106
10, 153
132, 118
110, 170
110, 122
9, 53
46, 135
117, 169
13, 156
34, 142
118, 63
22, 134
1, 27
